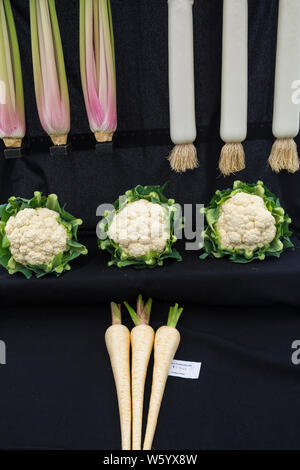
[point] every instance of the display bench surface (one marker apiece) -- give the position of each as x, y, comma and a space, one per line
207, 282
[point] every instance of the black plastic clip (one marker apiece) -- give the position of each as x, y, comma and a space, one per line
60, 150
13, 152
103, 148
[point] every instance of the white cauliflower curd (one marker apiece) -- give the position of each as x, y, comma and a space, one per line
140, 227
245, 223
139, 231
36, 236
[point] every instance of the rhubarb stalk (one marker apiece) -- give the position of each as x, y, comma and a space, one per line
97, 64
12, 114
51, 88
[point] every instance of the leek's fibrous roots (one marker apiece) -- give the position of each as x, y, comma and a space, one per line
284, 156
183, 157
232, 158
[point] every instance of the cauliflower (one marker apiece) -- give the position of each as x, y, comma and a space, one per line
140, 231
140, 227
246, 223
35, 236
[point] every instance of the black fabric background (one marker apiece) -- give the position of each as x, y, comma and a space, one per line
240, 321
57, 388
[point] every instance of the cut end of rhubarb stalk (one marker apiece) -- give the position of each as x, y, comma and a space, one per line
12, 142
59, 139
232, 158
284, 156
183, 157
104, 136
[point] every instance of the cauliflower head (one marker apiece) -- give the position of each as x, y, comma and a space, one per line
246, 223
140, 227
140, 231
37, 236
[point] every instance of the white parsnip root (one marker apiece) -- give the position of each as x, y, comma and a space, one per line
142, 339
117, 338
166, 343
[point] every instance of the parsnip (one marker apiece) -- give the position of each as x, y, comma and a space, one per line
117, 339
142, 339
166, 343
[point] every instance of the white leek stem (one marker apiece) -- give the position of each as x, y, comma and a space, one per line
234, 71
286, 112
181, 72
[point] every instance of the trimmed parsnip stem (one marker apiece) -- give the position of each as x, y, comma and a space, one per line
286, 112
117, 339
234, 99
166, 343
142, 339
181, 85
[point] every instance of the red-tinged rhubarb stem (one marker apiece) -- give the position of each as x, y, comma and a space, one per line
12, 114
97, 64
50, 79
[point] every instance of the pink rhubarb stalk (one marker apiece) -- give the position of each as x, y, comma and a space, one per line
97, 64
51, 88
12, 114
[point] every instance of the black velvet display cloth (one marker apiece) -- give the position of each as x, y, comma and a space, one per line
240, 320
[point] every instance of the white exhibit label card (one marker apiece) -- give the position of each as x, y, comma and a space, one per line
185, 369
